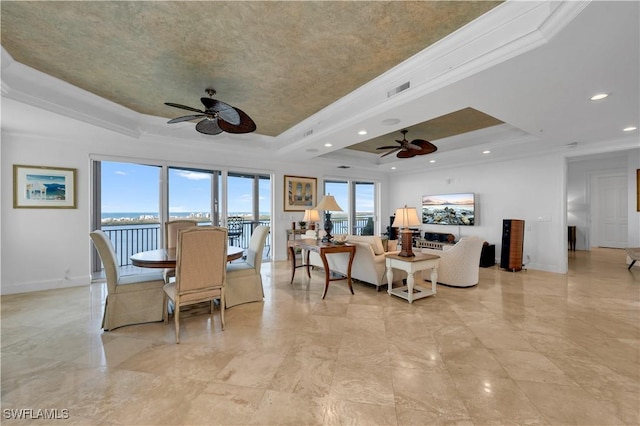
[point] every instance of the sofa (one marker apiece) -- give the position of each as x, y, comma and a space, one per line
369, 264
459, 265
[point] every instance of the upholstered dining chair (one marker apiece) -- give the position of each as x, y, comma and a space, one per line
244, 281
133, 299
171, 228
201, 261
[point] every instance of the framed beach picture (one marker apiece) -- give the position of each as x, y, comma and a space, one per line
299, 193
40, 187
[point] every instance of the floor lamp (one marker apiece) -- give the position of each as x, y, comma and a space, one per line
328, 204
406, 217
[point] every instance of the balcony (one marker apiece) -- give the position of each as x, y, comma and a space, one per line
131, 239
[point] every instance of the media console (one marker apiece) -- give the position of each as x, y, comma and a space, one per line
434, 240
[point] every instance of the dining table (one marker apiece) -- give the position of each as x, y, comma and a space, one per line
166, 258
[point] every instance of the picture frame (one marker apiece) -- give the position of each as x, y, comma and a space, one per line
300, 193
638, 190
43, 187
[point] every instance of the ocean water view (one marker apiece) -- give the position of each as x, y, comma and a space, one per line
118, 218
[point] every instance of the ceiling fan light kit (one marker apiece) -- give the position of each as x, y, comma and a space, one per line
217, 117
409, 149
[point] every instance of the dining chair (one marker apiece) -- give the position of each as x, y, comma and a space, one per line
200, 271
171, 228
244, 281
133, 299
235, 226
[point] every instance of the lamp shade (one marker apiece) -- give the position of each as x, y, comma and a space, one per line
328, 203
311, 216
405, 217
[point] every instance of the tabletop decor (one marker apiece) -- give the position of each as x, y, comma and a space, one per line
405, 218
44, 187
311, 217
328, 204
300, 193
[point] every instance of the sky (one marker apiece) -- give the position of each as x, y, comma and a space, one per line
129, 187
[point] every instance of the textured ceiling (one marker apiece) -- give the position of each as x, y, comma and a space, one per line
280, 62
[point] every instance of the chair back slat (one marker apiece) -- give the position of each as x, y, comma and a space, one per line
171, 229
201, 258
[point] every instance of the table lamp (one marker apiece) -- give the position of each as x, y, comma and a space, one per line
311, 217
406, 217
328, 204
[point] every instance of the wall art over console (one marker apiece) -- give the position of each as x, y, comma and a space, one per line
41, 187
299, 193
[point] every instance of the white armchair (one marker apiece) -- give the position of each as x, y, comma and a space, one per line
459, 265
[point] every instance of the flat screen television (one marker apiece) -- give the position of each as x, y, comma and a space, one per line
449, 209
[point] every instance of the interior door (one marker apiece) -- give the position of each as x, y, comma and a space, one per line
611, 211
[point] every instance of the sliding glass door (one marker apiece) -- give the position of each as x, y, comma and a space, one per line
132, 200
358, 202
191, 192
126, 207
248, 201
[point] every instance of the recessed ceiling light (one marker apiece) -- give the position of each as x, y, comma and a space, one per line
629, 129
432, 161
312, 150
486, 152
390, 121
362, 132
393, 167
328, 144
599, 96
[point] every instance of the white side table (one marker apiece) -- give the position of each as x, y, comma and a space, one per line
411, 265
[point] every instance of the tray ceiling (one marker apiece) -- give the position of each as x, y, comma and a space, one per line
455, 123
280, 62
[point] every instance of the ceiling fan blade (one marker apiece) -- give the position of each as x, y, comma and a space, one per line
389, 147
185, 118
425, 147
188, 108
390, 152
246, 124
225, 111
406, 154
209, 127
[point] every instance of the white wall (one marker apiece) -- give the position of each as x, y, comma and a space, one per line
531, 189
50, 248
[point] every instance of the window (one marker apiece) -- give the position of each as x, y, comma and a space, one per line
131, 201
358, 202
190, 194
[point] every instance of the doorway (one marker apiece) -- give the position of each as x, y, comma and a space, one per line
609, 211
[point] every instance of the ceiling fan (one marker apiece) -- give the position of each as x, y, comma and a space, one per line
409, 149
218, 117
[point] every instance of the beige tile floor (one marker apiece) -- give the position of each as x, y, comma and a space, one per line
520, 348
